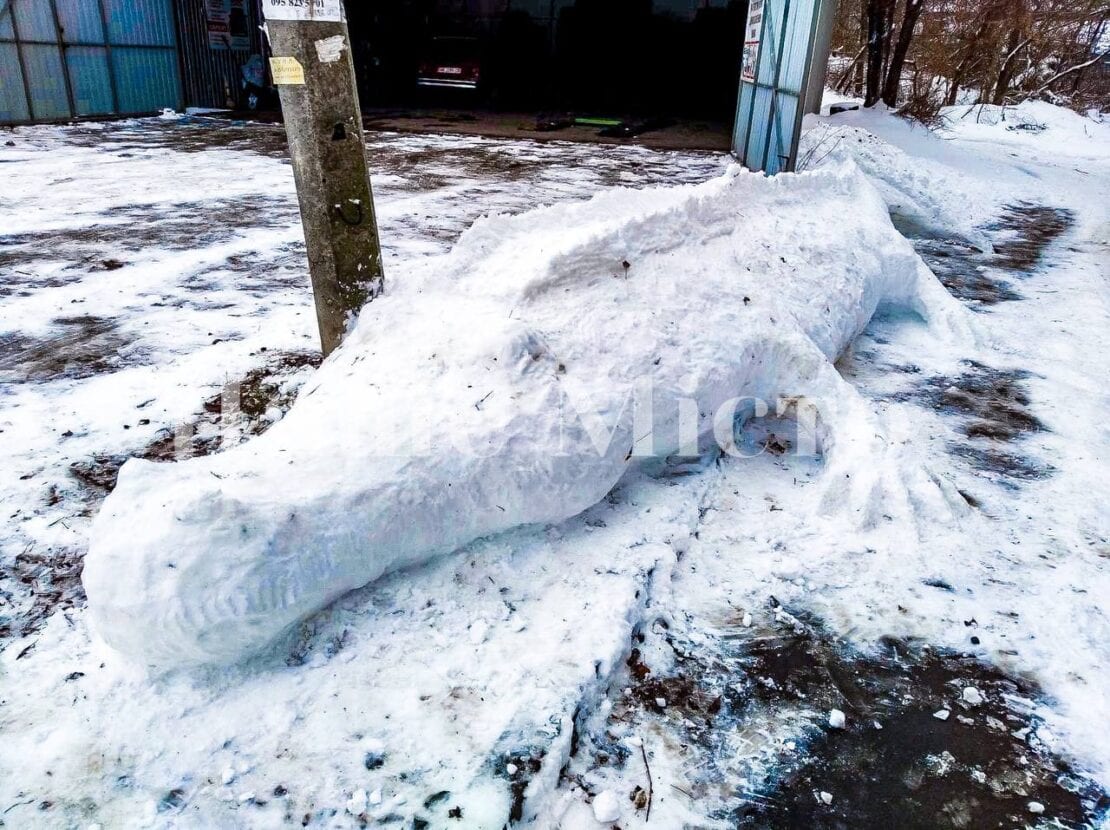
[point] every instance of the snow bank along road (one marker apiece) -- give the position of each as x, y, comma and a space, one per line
655, 647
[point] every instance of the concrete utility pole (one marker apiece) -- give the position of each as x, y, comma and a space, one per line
315, 76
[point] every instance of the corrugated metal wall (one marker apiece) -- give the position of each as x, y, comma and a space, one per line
779, 45
65, 58
61, 59
212, 75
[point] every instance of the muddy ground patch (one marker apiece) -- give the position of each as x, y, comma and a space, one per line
41, 584
929, 738
129, 231
1022, 237
77, 347
183, 134
992, 411
1024, 233
245, 408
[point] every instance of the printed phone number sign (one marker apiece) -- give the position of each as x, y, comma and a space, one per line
753, 33
302, 9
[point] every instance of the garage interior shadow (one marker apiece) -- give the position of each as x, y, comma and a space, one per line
617, 58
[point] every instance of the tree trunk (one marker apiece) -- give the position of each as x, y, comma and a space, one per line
876, 16
861, 67
1006, 73
888, 30
966, 63
953, 93
901, 49
1097, 35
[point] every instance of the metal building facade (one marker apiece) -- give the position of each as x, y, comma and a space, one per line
785, 53
61, 59
216, 37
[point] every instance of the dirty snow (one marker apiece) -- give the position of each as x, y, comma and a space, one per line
518, 677
513, 382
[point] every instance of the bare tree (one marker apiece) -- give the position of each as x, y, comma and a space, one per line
893, 85
997, 51
1017, 42
877, 15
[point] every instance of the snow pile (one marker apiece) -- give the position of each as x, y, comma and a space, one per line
918, 175
503, 384
1052, 130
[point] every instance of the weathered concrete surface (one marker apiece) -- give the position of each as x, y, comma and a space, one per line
324, 126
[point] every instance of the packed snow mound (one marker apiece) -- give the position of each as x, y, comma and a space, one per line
503, 384
922, 188
1038, 123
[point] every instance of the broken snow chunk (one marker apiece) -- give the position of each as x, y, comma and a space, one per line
247, 796
941, 764
1035, 807
826, 798
661, 702
357, 802
228, 775
746, 621
941, 714
836, 719
375, 797
511, 769
607, 807
478, 632
972, 696
876, 724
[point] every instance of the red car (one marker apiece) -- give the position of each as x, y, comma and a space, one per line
450, 62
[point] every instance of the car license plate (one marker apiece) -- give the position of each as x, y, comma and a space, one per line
449, 70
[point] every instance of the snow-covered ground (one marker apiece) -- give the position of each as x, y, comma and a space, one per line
676, 649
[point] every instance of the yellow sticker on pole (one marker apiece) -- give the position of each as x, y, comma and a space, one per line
287, 71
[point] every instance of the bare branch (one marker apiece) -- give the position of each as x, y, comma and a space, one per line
1068, 71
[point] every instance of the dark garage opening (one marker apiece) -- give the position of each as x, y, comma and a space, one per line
624, 58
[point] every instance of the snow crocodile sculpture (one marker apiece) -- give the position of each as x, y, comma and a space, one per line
491, 387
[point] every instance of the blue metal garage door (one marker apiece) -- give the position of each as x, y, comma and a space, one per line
778, 52
66, 58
